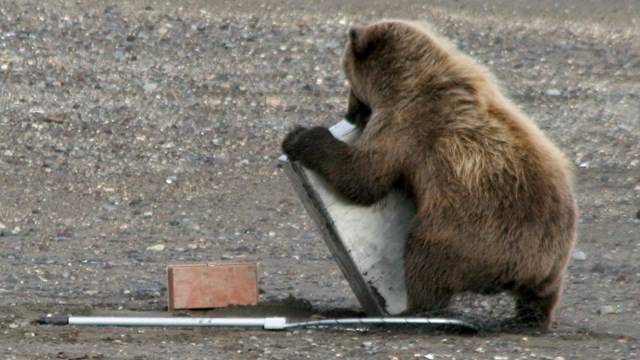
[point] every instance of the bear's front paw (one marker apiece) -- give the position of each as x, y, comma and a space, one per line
301, 142
290, 142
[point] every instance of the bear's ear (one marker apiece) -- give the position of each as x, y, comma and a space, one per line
360, 41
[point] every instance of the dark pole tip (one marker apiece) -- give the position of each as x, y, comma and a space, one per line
53, 320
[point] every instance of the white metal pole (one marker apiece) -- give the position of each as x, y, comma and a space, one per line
159, 321
268, 323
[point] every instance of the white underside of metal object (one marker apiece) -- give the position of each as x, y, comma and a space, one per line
366, 241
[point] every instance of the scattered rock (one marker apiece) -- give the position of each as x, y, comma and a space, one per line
273, 101
553, 92
61, 237
199, 27
578, 255
6, 232
158, 247
135, 202
55, 118
108, 207
606, 310
150, 87
118, 54
171, 179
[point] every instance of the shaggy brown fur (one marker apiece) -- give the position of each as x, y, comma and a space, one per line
495, 210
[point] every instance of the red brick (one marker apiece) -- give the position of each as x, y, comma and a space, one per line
202, 286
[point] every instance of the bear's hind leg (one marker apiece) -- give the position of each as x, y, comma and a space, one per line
533, 310
535, 306
430, 279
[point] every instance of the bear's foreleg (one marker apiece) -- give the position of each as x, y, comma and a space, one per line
362, 176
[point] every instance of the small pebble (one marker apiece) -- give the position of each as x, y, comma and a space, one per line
107, 207
553, 92
579, 255
606, 310
158, 247
61, 238
273, 101
199, 27
118, 54
150, 87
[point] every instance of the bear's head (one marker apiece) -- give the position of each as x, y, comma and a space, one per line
382, 63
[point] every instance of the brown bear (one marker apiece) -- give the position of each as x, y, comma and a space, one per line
495, 210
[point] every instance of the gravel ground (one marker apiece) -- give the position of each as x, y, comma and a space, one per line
141, 134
